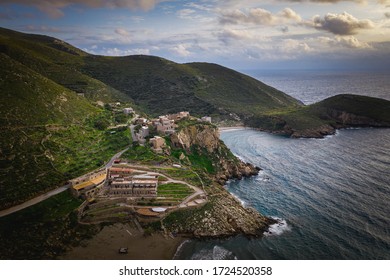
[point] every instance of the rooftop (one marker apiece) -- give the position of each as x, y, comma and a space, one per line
90, 183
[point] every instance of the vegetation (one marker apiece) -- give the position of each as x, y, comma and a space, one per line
184, 174
174, 191
144, 155
178, 218
43, 231
49, 134
337, 111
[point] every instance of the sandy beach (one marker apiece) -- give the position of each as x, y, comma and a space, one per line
229, 128
105, 245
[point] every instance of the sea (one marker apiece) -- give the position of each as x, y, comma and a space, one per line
331, 196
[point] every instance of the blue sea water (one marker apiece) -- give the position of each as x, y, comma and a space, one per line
331, 196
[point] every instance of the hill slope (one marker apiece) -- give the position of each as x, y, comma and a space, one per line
161, 86
48, 130
324, 117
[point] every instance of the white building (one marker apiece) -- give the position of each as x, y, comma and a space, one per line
128, 111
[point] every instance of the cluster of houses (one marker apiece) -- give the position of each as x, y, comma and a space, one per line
164, 125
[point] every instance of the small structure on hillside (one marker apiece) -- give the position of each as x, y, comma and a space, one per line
164, 125
87, 185
158, 144
128, 111
178, 116
206, 119
142, 133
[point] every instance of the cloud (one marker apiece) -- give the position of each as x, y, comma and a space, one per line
290, 14
231, 35
340, 24
54, 8
387, 14
294, 46
344, 41
284, 29
185, 13
122, 32
259, 16
181, 50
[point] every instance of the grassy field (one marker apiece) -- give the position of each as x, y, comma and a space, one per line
144, 155
174, 190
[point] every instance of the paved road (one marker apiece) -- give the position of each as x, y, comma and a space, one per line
51, 193
33, 201
111, 161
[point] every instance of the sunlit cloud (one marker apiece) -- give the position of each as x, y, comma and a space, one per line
258, 16
341, 24
181, 50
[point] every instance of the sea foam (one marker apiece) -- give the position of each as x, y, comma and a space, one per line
278, 228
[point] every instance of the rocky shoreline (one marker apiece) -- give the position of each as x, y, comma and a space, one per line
223, 215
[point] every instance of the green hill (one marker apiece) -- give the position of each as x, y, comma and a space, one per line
48, 130
324, 117
160, 86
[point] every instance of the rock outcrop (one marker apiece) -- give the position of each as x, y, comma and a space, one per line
223, 215
206, 138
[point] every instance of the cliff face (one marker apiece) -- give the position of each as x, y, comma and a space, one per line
223, 215
206, 138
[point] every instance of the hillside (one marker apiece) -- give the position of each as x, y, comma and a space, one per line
49, 132
160, 86
57, 61
324, 117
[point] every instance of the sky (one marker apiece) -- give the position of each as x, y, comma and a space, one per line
243, 35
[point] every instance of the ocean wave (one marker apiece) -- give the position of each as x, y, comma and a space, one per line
216, 253
239, 157
262, 177
243, 202
180, 248
278, 228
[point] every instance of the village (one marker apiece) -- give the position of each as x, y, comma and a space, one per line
124, 190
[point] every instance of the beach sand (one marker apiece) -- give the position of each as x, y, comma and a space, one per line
231, 128
105, 245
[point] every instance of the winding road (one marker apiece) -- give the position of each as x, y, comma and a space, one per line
51, 193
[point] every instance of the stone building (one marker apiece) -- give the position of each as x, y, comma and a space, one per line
164, 125
179, 116
86, 186
128, 111
125, 182
158, 143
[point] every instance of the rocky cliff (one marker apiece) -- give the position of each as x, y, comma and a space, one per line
223, 215
205, 138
